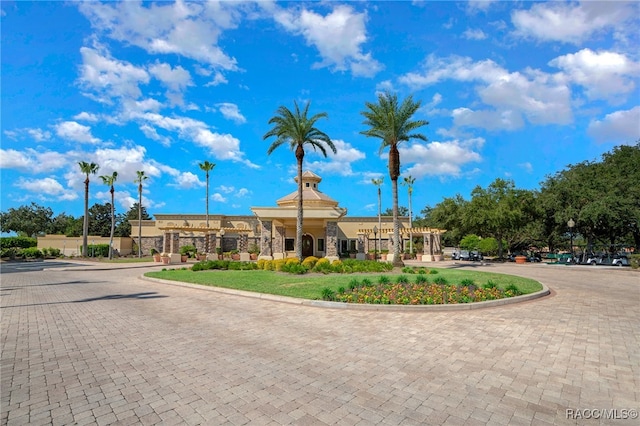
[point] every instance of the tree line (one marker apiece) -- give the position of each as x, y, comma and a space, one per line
594, 203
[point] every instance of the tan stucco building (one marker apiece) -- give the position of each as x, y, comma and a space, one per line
327, 230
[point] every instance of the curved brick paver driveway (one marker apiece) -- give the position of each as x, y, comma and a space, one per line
103, 347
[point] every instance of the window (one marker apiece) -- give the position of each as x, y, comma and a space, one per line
352, 245
289, 244
343, 246
320, 243
307, 184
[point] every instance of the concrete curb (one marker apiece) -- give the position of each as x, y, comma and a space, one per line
357, 306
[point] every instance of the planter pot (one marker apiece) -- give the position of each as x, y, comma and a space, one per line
352, 255
253, 256
383, 256
235, 257
370, 256
201, 257
183, 258
521, 259
156, 258
165, 260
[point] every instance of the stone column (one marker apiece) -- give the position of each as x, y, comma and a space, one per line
211, 242
174, 247
390, 247
265, 240
331, 241
243, 246
428, 247
166, 241
437, 247
278, 242
361, 255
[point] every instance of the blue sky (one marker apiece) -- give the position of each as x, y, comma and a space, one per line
513, 90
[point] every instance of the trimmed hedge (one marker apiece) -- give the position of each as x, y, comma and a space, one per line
18, 242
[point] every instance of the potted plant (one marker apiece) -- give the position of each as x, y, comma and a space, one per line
187, 252
235, 254
219, 253
254, 250
164, 258
155, 254
352, 253
383, 254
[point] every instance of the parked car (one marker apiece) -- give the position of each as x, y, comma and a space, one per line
469, 255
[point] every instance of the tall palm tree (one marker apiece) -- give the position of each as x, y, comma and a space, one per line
391, 122
87, 169
109, 181
408, 182
297, 130
207, 167
378, 183
139, 179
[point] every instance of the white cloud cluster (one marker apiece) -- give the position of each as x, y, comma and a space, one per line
338, 36
46, 189
75, 132
573, 22
441, 158
539, 97
175, 79
231, 112
622, 127
190, 29
340, 162
604, 75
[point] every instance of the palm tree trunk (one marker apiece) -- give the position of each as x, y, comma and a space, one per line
397, 260
300, 158
207, 220
394, 174
140, 220
379, 223
113, 225
85, 224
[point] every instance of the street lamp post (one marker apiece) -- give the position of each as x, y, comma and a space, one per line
222, 240
571, 224
375, 243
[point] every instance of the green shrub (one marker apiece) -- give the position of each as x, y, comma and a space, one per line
18, 242
467, 282
490, 284
353, 284
294, 268
97, 250
440, 281
366, 282
634, 260
402, 279
433, 271
31, 253
513, 289
8, 252
383, 279
45, 251
422, 279
328, 294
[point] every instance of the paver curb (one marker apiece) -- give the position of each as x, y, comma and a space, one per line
356, 306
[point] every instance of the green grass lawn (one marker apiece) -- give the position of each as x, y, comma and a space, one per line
310, 286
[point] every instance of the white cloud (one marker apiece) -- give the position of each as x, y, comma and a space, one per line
176, 79
32, 160
243, 192
226, 189
86, 116
231, 112
338, 36
621, 127
540, 97
46, 189
36, 134
440, 158
479, 5
186, 180
76, 132
218, 79
189, 29
527, 166
573, 22
218, 197
340, 162
106, 77
152, 133
487, 119
474, 34
39, 135
604, 74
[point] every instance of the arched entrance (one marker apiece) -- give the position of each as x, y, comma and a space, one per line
307, 245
